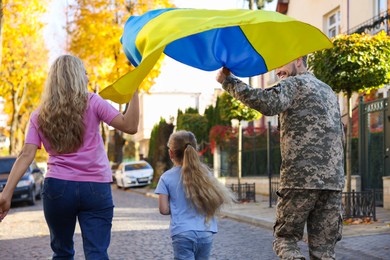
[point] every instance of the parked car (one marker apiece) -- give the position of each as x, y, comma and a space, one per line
132, 174
29, 187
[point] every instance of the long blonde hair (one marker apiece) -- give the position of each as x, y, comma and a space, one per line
63, 104
205, 192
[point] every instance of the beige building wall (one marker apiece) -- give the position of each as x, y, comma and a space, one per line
348, 15
316, 12
312, 11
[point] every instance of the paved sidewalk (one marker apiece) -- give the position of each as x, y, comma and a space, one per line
259, 213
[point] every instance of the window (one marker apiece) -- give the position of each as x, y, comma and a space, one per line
333, 24
381, 6
137, 166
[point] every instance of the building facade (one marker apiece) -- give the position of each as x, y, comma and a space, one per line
157, 105
332, 17
335, 17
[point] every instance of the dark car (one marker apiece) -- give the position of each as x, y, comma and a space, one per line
29, 187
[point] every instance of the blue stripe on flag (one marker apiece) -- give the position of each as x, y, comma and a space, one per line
130, 34
212, 49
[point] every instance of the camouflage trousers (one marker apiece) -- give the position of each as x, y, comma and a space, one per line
320, 210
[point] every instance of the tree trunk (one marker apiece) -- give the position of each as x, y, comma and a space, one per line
119, 142
239, 159
250, 4
161, 161
17, 104
12, 134
349, 143
14, 144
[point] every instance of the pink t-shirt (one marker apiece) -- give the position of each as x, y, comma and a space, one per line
90, 161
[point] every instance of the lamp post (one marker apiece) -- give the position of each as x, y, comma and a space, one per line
237, 124
239, 159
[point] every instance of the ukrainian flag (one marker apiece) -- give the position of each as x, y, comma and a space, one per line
248, 42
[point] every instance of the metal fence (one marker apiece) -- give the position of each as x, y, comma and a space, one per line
359, 204
254, 153
274, 186
354, 204
245, 192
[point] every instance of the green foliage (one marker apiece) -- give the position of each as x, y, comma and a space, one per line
254, 153
230, 108
191, 120
195, 123
213, 116
356, 62
209, 114
152, 140
192, 110
259, 3
210, 127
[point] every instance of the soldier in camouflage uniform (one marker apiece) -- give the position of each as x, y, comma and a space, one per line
312, 170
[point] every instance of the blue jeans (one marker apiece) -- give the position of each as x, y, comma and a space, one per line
192, 245
89, 202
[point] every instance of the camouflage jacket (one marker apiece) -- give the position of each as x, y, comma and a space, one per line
311, 132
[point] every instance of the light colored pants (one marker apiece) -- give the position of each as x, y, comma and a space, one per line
320, 210
192, 245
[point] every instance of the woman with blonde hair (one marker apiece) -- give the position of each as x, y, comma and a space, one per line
192, 196
77, 182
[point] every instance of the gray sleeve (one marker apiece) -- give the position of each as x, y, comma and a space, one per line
270, 101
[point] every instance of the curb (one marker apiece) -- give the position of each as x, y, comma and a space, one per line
225, 214
256, 220
247, 219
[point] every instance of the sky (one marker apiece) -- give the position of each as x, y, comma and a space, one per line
174, 76
192, 79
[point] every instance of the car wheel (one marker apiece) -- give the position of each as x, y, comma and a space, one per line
123, 185
31, 201
117, 184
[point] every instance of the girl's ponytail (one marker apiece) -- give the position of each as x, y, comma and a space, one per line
205, 192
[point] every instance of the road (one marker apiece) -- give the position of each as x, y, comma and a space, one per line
140, 233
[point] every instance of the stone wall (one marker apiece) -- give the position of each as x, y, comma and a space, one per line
386, 192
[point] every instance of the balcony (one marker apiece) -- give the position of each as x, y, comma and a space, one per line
374, 25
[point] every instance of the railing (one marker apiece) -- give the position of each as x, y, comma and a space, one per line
354, 204
359, 204
244, 192
373, 25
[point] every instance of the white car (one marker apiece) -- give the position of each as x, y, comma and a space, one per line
132, 174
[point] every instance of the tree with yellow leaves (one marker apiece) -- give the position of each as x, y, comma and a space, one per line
357, 62
95, 29
24, 64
